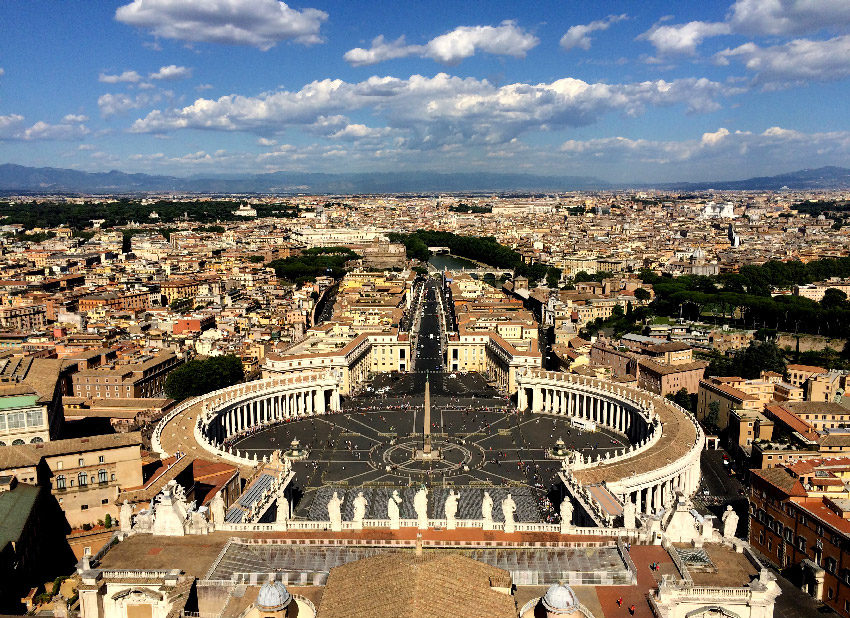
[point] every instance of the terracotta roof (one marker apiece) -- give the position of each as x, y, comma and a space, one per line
781, 479
794, 422
402, 584
810, 368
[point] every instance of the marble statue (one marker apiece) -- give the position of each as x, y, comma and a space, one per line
125, 517
217, 508
629, 514
508, 510
359, 510
566, 514
451, 510
392, 510
335, 512
730, 523
487, 511
420, 505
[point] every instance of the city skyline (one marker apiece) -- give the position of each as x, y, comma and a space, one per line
616, 90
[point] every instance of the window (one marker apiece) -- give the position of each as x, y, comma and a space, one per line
84, 507
801, 543
100, 459
82, 479
80, 462
829, 564
60, 481
59, 465
102, 477
34, 418
105, 501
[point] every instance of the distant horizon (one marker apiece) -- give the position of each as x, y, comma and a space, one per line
838, 180
632, 95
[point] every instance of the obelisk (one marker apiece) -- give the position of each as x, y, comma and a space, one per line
426, 447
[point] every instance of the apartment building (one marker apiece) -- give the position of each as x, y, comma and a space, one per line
143, 376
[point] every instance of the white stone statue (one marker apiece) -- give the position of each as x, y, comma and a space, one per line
566, 514
392, 510
125, 517
668, 498
335, 512
451, 510
730, 523
420, 505
217, 508
629, 514
359, 510
508, 510
487, 511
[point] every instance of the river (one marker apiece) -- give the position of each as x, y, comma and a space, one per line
450, 262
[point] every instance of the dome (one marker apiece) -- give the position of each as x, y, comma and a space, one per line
560, 599
273, 596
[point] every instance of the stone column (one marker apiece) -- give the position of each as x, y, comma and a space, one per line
536, 399
319, 405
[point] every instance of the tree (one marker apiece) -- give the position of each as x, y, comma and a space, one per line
198, 377
642, 295
713, 416
107, 521
833, 298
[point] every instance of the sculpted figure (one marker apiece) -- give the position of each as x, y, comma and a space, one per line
126, 517
360, 503
629, 513
566, 514
392, 510
420, 505
451, 510
335, 512
487, 511
508, 510
730, 523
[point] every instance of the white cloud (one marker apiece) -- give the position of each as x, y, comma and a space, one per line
718, 155
2, 71
360, 131
70, 128
436, 110
258, 23
506, 39
798, 61
120, 103
202, 87
130, 77
266, 142
171, 72
682, 38
578, 35
788, 17
712, 139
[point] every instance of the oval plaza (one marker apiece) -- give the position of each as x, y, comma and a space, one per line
550, 478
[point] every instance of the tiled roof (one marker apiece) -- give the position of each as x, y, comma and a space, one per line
401, 585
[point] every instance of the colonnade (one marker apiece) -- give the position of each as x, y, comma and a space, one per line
618, 414
238, 409
633, 413
282, 406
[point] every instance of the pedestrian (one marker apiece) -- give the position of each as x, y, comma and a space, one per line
632, 609
619, 601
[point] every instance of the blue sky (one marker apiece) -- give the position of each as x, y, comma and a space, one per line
625, 91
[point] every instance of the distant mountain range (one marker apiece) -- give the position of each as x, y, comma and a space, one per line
22, 179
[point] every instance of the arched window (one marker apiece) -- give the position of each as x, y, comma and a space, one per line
36, 440
60, 481
2, 443
101, 476
82, 479
17, 442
